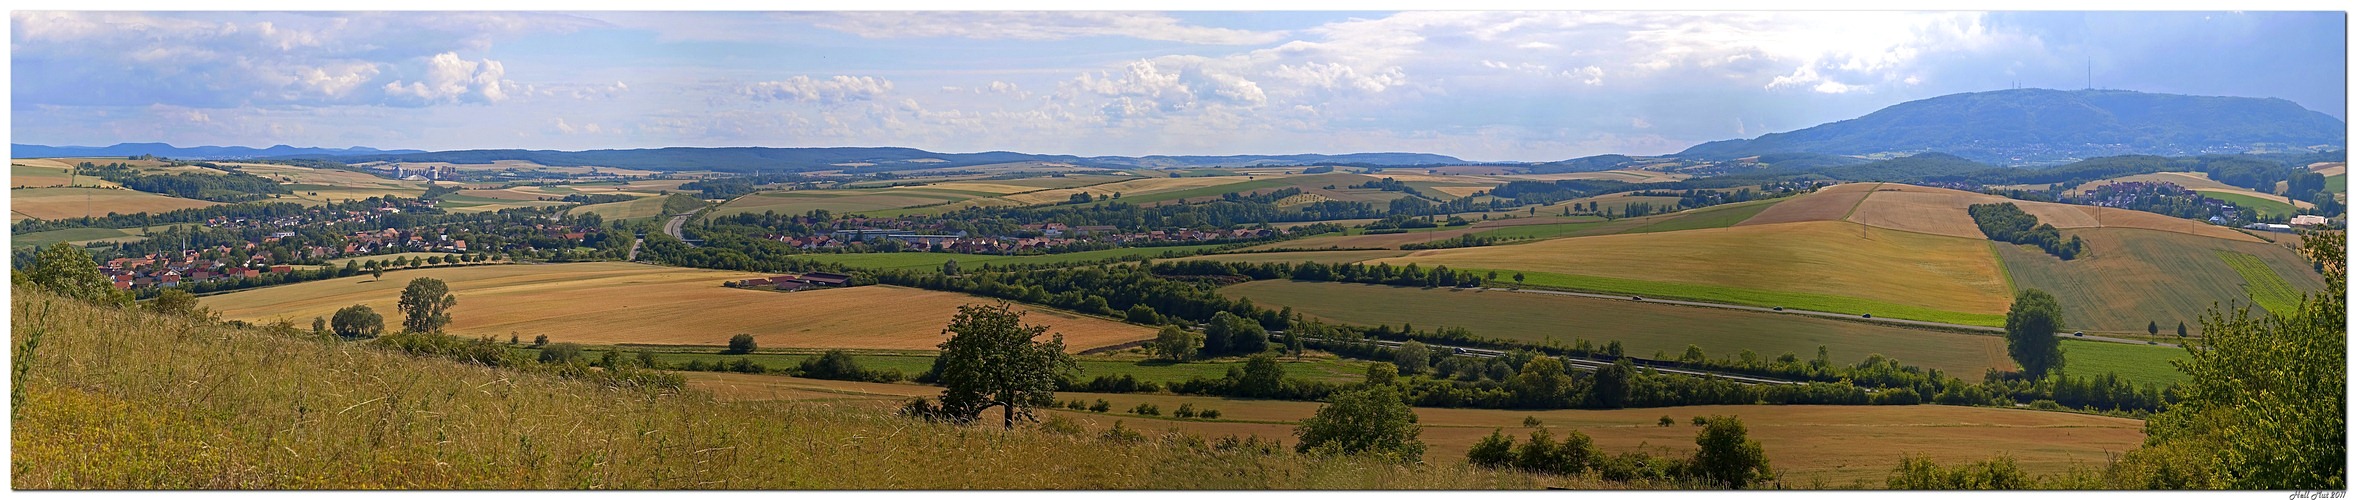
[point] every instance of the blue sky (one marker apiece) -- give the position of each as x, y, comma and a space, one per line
1525, 86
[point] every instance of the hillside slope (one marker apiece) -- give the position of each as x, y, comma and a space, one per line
2031, 126
123, 400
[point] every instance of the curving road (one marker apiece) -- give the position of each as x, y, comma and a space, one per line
677, 221
1834, 315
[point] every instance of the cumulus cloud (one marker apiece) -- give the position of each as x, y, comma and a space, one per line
1031, 26
802, 88
449, 78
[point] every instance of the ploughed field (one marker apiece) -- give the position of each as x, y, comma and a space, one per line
623, 303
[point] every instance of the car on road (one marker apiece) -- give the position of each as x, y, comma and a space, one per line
1778, 308
1460, 350
1636, 297
2080, 334
1868, 315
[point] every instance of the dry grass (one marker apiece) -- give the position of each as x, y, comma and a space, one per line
47, 172
1838, 444
622, 303
1825, 258
1827, 204
68, 202
2329, 168
115, 400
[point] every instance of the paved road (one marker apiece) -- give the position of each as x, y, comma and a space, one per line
677, 221
1787, 310
634, 244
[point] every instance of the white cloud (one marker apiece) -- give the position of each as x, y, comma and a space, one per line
449, 78
1030, 26
802, 88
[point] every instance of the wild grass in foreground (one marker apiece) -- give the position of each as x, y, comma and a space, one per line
115, 399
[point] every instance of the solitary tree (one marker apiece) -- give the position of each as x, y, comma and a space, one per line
358, 322
1371, 421
2180, 329
425, 306
1175, 344
1262, 377
742, 343
993, 359
2153, 328
2030, 330
1517, 278
1728, 456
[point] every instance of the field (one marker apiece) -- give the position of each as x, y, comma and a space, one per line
618, 303
1946, 212
70, 202
1710, 217
50, 172
2199, 181
121, 400
843, 201
1641, 327
363, 260
2266, 207
2264, 286
933, 260
500, 165
2138, 363
1839, 445
1317, 366
1129, 189
82, 236
642, 208
1615, 175
2128, 278
1833, 259
1829, 203
1327, 257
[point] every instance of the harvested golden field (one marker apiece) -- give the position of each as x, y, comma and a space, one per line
68, 202
498, 165
1827, 204
622, 303
1838, 444
1129, 188
2329, 168
1822, 258
1946, 211
1630, 175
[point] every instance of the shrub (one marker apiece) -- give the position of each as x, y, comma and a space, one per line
1493, 451
1185, 410
1728, 456
1919, 473
1666, 421
1146, 409
742, 343
1101, 406
560, 353
1208, 414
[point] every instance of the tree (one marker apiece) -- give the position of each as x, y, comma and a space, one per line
2264, 396
1370, 421
358, 322
540, 341
425, 306
1381, 374
949, 268
1412, 357
1610, 389
1293, 343
1542, 383
1728, 456
177, 302
68, 271
2180, 329
1494, 451
2031, 332
2153, 328
1229, 333
319, 325
1262, 377
1517, 278
1175, 344
1144, 315
742, 343
993, 359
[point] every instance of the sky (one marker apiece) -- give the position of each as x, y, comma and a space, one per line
1483, 86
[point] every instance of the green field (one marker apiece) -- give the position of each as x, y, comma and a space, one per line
1544, 231
2265, 286
1325, 257
2336, 184
2138, 363
1748, 297
909, 364
844, 201
2264, 207
1709, 217
642, 208
81, 236
922, 260
1642, 328
2130, 278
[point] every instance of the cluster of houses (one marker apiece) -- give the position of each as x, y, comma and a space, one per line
369, 242
172, 269
793, 282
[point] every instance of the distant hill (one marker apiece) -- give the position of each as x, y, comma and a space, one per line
754, 159
2039, 126
1595, 163
188, 153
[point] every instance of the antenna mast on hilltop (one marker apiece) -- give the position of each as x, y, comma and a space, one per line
2089, 73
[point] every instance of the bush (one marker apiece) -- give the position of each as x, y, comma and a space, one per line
835, 364
1495, 451
1728, 456
1208, 414
742, 343
1185, 410
560, 353
1146, 409
1666, 421
1101, 406
1919, 473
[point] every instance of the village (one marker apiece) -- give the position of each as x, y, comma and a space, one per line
1048, 236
